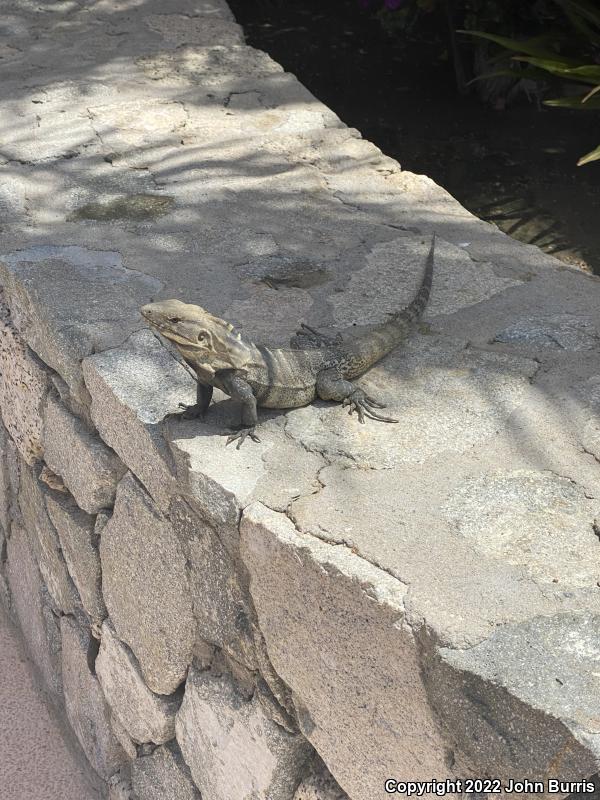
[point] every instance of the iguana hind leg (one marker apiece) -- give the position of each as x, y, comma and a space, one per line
332, 386
308, 338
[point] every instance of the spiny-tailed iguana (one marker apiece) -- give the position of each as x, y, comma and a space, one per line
316, 366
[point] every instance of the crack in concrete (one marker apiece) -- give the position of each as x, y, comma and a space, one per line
327, 537
97, 134
571, 480
584, 449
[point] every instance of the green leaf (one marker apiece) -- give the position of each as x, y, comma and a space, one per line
536, 46
574, 102
585, 73
593, 155
589, 11
580, 14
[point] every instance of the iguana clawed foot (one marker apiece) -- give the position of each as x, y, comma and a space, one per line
364, 405
309, 338
191, 411
241, 435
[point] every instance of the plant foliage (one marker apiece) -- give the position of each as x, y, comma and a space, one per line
570, 54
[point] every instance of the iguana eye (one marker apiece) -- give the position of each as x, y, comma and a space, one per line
175, 319
201, 336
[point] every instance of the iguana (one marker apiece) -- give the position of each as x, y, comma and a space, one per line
314, 366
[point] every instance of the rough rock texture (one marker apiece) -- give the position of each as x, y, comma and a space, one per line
44, 540
305, 593
146, 717
524, 693
23, 389
31, 606
87, 710
233, 750
79, 543
65, 275
417, 599
89, 469
163, 774
119, 788
221, 492
146, 588
221, 607
319, 785
6, 491
133, 390
123, 737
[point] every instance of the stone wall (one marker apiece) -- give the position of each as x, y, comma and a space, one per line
337, 604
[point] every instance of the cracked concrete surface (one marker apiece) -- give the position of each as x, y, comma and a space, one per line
425, 556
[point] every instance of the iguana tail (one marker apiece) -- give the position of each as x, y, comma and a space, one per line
368, 348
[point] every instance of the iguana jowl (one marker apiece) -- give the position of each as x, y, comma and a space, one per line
314, 366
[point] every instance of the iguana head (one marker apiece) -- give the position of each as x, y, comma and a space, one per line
201, 338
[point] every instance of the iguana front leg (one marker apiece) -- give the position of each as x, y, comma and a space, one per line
239, 389
332, 386
204, 395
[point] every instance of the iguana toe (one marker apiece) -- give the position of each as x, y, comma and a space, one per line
191, 411
241, 435
363, 405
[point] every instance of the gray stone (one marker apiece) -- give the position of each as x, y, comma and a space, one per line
147, 717
23, 389
5, 601
234, 751
55, 282
319, 784
334, 630
133, 389
135, 123
88, 467
558, 332
221, 607
439, 393
501, 515
393, 274
119, 788
204, 653
87, 709
52, 480
6, 493
30, 604
273, 693
201, 31
45, 541
123, 737
79, 543
13, 470
537, 683
210, 65
101, 519
221, 487
146, 588
164, 774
